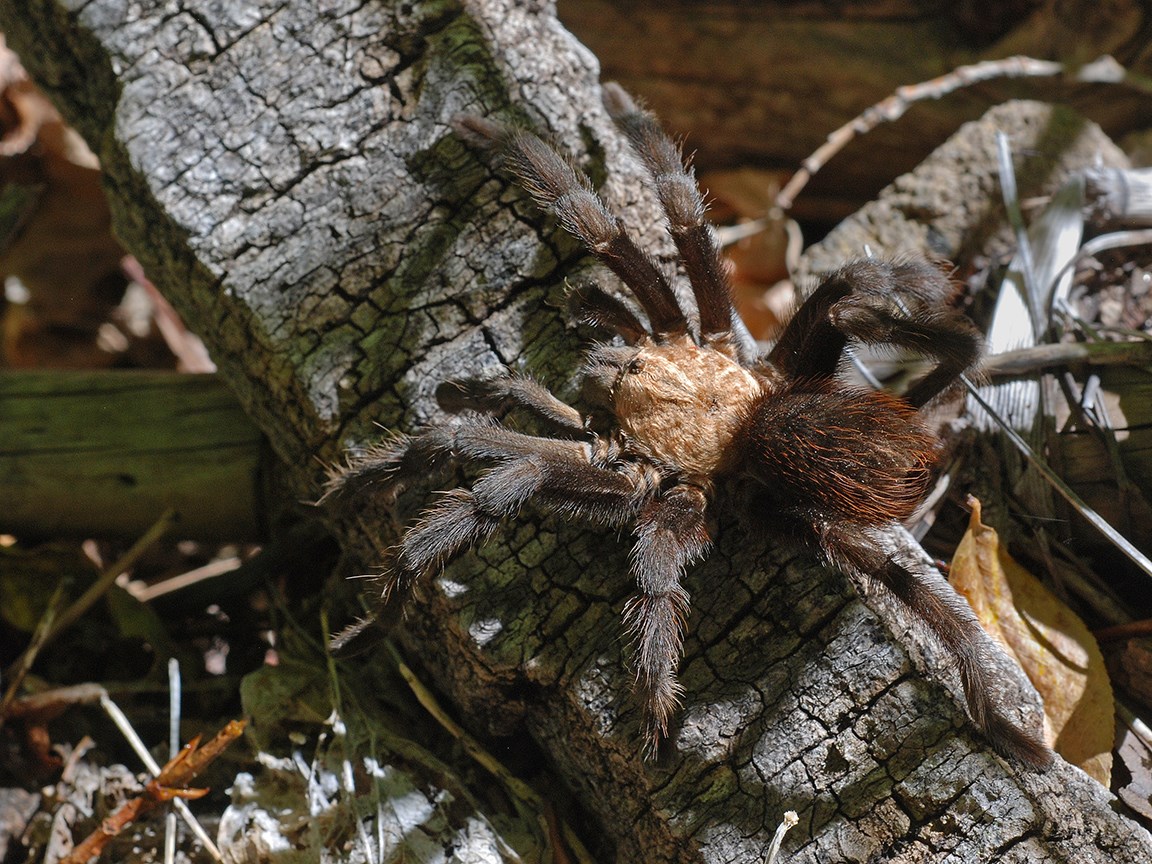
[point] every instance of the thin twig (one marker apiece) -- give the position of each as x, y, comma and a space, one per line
125, 726
1130, 630
895, 106
173, 748
1025, 360
28, 657
170, 784
786, 824
211, 570
105, 580
1113, 240
1138, 727
1105, 70
1057, 482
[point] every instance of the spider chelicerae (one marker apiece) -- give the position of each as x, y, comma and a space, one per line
690, 406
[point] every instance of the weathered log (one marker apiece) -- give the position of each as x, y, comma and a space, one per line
288, 176
103, 454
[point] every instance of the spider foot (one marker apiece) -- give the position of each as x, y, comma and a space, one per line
376, 469
657, 623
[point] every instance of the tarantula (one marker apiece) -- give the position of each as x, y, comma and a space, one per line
691, 404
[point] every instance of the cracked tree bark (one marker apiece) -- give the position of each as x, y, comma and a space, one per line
286, 173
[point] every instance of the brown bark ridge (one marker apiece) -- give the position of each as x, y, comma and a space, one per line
286, 173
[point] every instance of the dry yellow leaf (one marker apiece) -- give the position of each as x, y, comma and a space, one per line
1051, 644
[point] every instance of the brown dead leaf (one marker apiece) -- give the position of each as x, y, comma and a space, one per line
56, 242
1048, 640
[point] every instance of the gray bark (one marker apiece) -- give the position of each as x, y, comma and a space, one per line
287, 176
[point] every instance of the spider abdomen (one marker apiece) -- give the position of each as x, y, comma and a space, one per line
858, 455
685, 406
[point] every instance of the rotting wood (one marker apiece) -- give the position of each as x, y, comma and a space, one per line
103, 454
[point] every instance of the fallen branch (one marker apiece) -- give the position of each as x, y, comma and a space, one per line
170, 784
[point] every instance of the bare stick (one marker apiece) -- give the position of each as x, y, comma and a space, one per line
174, 688
129, 732
786, 824
1103, 70
1024, 360
105, 580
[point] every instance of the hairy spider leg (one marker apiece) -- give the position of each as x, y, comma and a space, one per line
387, 468
558, 187
593, 306
880, 303
671, 534
679, 195
504, 391
556, 475
926, 594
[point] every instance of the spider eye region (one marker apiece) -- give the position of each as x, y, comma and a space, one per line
685, 406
